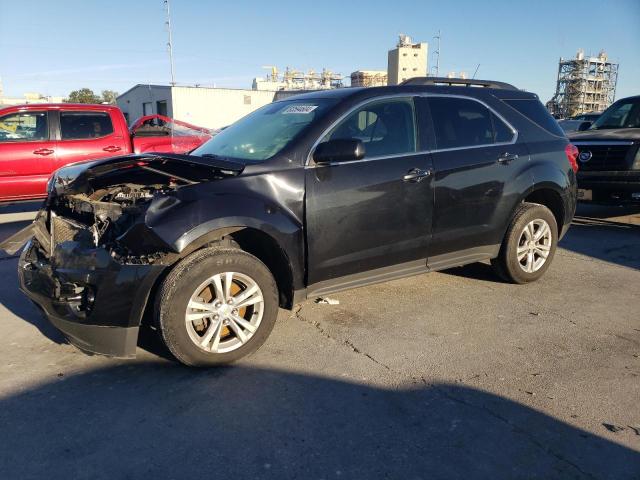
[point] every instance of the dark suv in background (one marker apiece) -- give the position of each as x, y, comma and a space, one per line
306, 196
610, 155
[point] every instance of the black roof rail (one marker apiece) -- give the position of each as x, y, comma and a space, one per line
458, 81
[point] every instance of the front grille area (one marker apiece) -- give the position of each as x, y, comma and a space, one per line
42, 234
613, 156
65, 230
60, 230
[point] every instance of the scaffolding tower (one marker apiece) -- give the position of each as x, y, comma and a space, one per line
585, 84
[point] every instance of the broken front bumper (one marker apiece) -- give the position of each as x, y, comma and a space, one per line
94, 300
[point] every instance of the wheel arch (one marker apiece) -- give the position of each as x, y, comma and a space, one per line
547, 194
258, 243
550, 197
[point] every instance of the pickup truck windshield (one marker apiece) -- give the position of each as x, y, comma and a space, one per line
622, 114
263, 133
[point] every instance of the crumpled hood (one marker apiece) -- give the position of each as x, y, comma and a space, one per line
629, 134
191, 169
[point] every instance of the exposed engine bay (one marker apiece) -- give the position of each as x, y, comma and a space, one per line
104, 216
105, 206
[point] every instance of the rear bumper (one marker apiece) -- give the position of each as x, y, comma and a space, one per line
94, 301
611, 186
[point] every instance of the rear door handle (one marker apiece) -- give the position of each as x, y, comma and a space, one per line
43, 151
416, 175
507, 157
111, 148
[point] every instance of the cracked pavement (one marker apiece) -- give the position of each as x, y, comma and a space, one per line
445, 375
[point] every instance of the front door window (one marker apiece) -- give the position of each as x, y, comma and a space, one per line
385, 128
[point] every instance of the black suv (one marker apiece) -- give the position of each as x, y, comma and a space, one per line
306, 196
610, 155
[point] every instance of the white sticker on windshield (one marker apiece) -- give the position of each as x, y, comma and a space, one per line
300, 109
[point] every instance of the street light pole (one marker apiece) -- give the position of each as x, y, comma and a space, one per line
170, 42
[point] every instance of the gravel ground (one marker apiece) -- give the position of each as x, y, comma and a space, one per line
446, 375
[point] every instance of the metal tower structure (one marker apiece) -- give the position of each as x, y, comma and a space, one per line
437, 54
585, 84
170, 42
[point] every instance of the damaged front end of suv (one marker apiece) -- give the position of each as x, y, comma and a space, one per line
93, 255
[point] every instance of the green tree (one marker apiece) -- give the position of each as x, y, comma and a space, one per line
109, 96
84, 95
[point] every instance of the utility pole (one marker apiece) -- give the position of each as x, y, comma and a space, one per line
170, 42
437, 54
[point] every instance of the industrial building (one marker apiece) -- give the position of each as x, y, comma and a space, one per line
207, 107
369, 78
585, 84
407, 60
29, 97
293, 79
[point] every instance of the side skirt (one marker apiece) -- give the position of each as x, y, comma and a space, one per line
416, 267
463, 257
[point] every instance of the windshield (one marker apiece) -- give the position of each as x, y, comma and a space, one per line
263, 133
622, 114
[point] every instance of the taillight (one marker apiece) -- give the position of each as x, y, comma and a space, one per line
572, 155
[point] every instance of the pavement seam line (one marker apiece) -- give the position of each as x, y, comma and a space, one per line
348, 343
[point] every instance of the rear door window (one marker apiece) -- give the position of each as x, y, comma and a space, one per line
85, 125
24, 126
462, 123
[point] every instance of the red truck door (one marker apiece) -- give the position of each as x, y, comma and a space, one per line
27, 154
89, 135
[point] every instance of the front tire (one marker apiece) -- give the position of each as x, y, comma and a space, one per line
528, 246
217, 306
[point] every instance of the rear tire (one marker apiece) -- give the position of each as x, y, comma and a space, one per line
216, 306
528, 246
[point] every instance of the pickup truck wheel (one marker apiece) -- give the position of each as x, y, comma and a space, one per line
529, 245
216, 306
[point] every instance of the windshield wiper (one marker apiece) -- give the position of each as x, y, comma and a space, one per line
214, 156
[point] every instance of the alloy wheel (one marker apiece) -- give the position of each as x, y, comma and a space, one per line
534, 245
224, 312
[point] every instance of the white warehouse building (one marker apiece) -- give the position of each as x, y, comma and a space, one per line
203, 106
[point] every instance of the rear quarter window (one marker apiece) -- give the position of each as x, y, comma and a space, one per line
535, 111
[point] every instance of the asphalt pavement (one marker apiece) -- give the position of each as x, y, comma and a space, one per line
445, 375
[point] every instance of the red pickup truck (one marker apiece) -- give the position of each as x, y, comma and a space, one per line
36, 140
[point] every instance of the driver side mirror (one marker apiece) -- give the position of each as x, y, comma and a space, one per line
584, 126
339, 150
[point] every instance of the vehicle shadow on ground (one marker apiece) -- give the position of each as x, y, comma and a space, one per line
592, 233
157, 420
597, 232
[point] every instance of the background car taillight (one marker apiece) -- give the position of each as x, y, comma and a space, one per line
572, 155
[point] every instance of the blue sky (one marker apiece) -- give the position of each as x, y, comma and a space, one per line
54, 47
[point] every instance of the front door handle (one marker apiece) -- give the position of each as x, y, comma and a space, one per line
507, 158
416, 175
111, 148
43, 151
